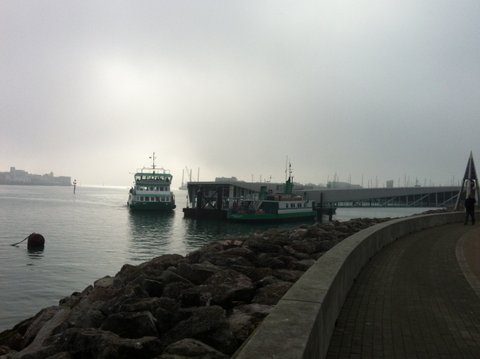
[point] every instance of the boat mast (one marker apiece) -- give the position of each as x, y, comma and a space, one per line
286, 168
289, 179
153, 161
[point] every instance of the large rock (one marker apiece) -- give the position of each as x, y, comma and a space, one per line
4, 350
40, 346
191, 348
99, 344
86, 314
228, 285
274, 260
260, 245
40, 320
298, 255
161, 263
131, 324
163, 309
208, 324
272, 293
225, 259
288, 275
218, 246
298, 234
197, 296
75, 297
197, 273
303, 265
254, 273
169, 276
175, 289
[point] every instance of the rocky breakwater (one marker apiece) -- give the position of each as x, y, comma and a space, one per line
203, 305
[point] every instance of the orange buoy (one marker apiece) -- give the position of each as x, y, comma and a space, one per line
35, 241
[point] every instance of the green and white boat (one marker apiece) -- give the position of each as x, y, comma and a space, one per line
151, 190
279, 207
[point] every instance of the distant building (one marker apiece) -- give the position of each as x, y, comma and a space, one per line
343, 185
308, 186
21, 177
389, 184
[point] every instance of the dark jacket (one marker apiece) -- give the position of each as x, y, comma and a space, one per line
470, 204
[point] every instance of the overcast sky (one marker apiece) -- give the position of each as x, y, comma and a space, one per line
379, 88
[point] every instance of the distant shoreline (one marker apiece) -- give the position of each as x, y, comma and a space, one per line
21, 177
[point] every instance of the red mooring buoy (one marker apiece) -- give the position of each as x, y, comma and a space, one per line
35, 241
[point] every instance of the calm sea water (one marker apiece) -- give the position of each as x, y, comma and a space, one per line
92, 234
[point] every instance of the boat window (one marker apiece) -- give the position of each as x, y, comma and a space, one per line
269, 207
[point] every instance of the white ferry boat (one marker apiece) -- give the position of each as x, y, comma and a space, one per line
151, 190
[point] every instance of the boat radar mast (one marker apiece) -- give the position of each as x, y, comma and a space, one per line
153, 161
289, 178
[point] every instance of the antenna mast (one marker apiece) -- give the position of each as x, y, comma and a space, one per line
286, 168
153, 161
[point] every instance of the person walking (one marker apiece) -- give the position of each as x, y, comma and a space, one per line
470, 208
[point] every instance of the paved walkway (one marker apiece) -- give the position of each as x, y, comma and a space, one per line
417, 298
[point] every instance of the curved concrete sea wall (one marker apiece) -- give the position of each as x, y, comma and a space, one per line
301, 324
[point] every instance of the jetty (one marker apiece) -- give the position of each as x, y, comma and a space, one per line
213, 199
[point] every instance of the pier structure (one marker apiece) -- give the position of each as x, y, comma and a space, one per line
211, 200
385, 197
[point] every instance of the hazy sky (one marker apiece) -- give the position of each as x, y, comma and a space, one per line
384, 88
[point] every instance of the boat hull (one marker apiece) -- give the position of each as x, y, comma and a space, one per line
151, 206
270, 217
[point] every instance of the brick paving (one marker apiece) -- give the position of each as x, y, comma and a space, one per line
412, 300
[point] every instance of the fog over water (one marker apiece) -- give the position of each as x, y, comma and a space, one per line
384, 89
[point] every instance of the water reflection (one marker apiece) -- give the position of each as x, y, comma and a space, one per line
35, 253
199, 232
151, 234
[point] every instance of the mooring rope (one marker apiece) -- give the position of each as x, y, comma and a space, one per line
14, 244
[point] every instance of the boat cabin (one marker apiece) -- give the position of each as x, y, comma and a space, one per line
153, 177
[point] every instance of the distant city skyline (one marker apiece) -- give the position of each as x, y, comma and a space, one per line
379, 90
21, 177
